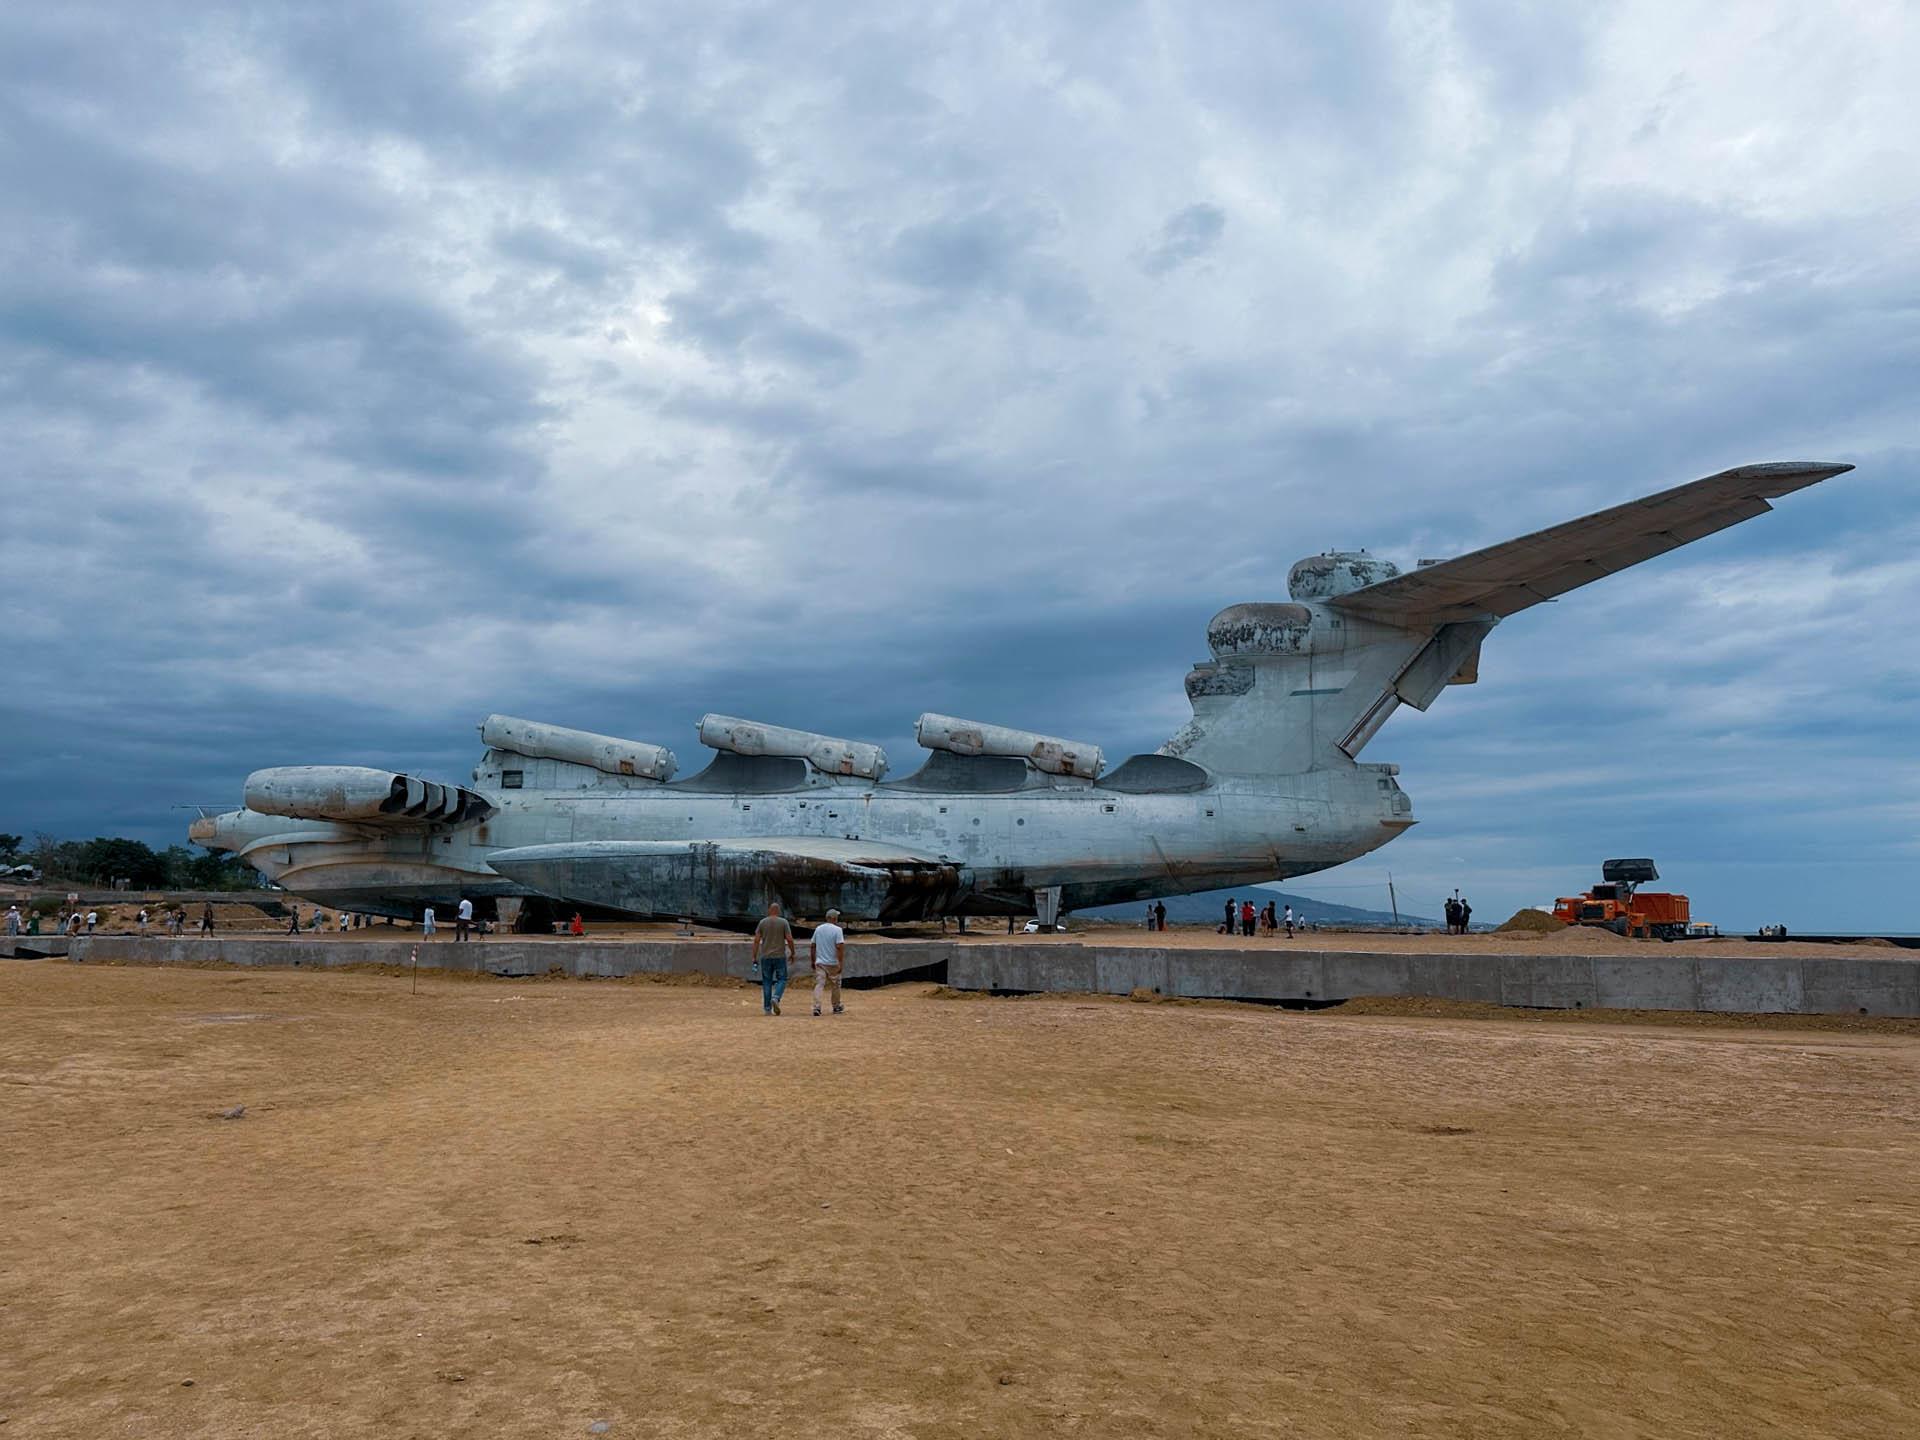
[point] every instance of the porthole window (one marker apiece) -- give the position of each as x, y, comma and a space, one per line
1107, 808
1021, 821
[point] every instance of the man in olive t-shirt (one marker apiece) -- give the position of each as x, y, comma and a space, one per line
772, 949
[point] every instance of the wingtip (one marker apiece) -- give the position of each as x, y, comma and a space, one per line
1826, 469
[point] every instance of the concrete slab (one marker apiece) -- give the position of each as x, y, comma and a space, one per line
1295, 975
32, 947
1350, 973
1751, 987
1547, 982
1868, 987
1122, 969
1456, 977
1633, 982
1211, 974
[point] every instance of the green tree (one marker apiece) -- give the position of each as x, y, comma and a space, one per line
107, 858
10, 846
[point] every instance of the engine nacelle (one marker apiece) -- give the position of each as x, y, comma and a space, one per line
606, 753
1047, 753
825, 753
1338, 572
354, 793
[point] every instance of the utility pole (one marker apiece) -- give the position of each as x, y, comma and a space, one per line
1393, 900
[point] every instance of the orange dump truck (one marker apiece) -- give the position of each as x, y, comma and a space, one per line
1619, 904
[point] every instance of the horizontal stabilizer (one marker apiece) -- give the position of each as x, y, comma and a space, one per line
737, 879
1505, 578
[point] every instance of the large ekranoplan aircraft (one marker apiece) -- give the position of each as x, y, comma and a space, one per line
1264, 783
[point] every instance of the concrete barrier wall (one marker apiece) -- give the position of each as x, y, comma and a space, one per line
1669, 980
33, 947
505, 956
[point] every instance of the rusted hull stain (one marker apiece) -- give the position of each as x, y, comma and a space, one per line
737, 882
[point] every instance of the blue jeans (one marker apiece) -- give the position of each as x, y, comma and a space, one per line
773, 981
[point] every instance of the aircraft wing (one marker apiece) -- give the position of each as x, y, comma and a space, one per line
1515, 574
735, 879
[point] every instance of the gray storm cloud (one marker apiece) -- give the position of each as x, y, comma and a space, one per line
365, 370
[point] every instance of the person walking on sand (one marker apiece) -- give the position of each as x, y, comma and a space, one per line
575, 927
1289, 922
463, 919
1160, 916
206, 918
1232, 910
13, 920
829, 955
772, 949
293, 920
1466, 916
426, 923
1246, 919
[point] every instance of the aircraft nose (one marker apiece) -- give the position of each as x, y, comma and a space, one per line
216, 832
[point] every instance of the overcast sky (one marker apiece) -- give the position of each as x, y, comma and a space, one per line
365, 369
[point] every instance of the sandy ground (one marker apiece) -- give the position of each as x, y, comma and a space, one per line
512, 1209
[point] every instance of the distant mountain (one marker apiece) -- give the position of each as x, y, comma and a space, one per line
1209, 905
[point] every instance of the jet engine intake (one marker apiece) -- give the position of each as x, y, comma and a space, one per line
825, 753
606, 753
1046, 753
354, 793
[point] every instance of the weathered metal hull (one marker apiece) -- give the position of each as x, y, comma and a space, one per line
993, 851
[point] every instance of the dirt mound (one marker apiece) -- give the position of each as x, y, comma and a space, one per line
1537, 922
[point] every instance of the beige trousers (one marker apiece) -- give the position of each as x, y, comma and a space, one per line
826, 978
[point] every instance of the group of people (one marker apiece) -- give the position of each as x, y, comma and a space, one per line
463, 922
774, 951
1242, 919
1459, 912
87, 922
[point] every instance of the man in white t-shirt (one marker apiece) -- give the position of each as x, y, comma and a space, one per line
829, 954
462, 918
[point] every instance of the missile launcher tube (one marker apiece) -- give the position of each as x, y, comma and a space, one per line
606, 753
1046, 753
825, 753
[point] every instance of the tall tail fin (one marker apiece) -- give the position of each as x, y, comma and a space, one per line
1307, 684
